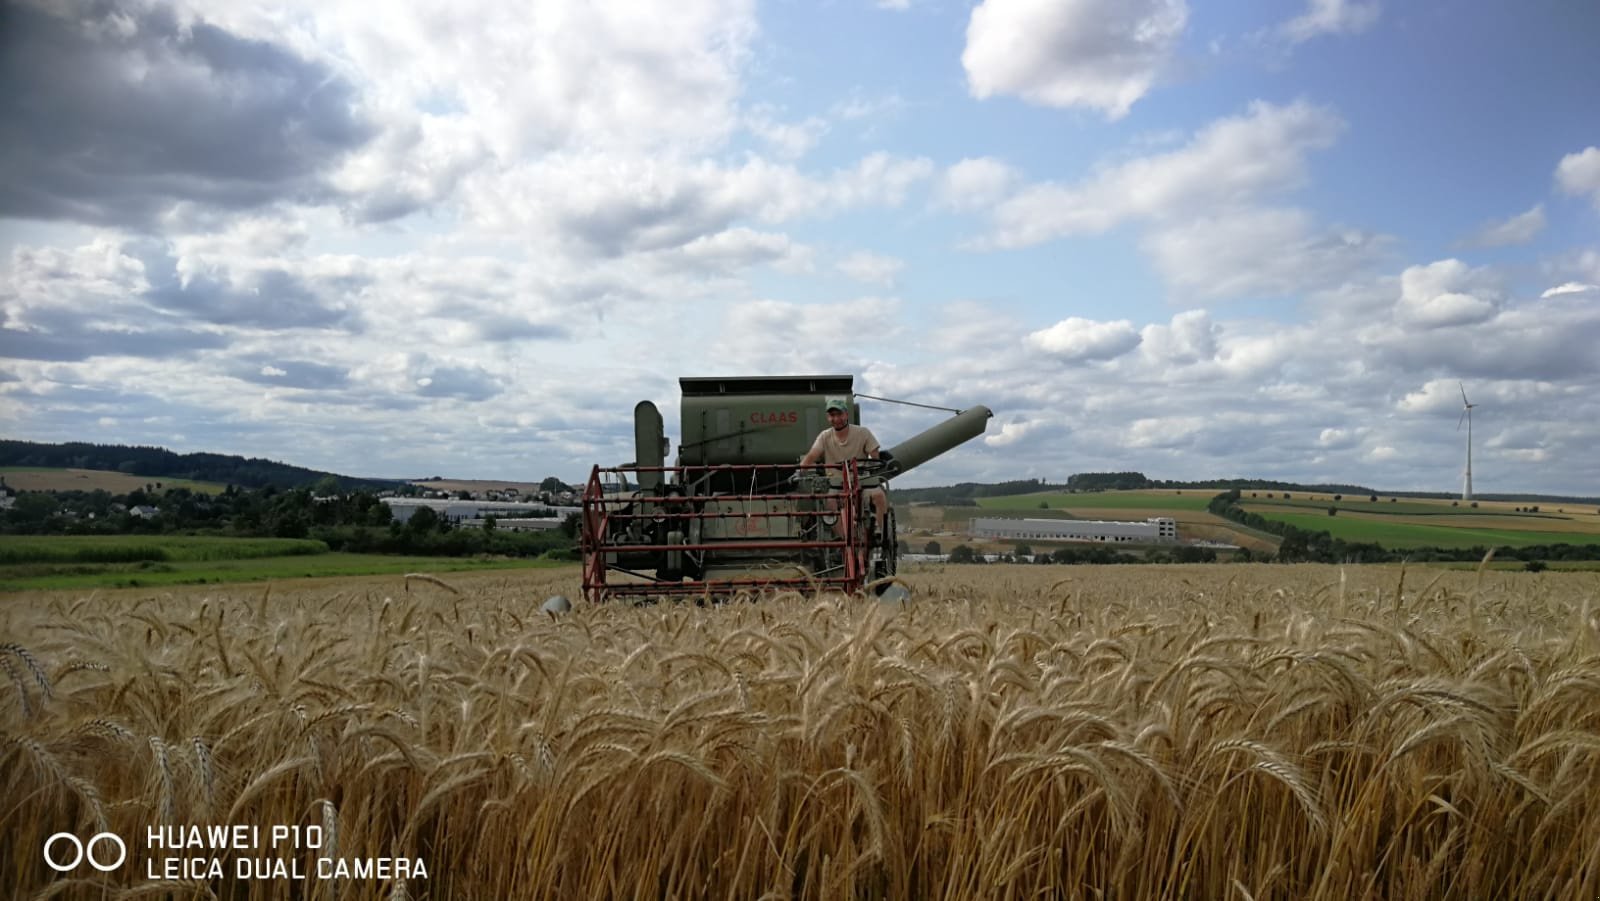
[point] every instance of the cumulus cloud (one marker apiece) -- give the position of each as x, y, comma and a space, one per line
1545, 340
788, 140
1231, 162
741, 248
1578, 174
1519, 229
975, 184
871, 267
1569, 288
80, 303
1330, 17
1260, 252
774, 336
1099, 54
612, 206
1078, 340
1191, 337
609, 75
1010, 433
1444, 293
1434, 396
1340, 438
129, 112
1163, 432
290, 373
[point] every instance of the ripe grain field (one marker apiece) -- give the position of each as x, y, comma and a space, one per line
1015, 732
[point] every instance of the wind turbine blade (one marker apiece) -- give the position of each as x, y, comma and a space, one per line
1462, 419
1463, 388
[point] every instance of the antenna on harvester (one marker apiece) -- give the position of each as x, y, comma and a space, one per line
1466, 416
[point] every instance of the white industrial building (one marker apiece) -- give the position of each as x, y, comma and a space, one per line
1155, 529
510, 514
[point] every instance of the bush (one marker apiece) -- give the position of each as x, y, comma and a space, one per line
1535, 566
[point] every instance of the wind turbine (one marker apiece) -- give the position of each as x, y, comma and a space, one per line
1466, 416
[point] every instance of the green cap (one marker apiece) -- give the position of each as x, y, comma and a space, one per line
837, 403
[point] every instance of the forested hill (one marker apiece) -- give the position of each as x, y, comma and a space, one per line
247, 472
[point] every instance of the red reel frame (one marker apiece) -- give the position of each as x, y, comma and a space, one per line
604, 519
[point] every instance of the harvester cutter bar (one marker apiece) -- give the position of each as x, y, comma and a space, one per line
600, 511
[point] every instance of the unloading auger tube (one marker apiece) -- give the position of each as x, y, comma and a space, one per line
734, 513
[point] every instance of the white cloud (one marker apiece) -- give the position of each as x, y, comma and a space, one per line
1519, 229
1191, 337
788, 140
1260, 252
273, 372
1444, 293
1434, 396
872, 268
1099, 54
860, 106
1010, 433
610, 206
1330, 17
975, 184
1569, 288
1340, 438
1579, 174
1077, 340
739, 248
1231, 162
773, 336
1170, 431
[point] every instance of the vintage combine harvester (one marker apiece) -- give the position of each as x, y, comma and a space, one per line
735, 512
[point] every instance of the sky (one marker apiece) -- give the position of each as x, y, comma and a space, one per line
1198, 240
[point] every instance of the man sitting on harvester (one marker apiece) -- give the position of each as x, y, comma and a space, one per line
842, 441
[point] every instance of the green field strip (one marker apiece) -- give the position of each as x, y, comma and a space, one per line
1361, 505
161, 548
1190, 499
57, 478
1402, 535
37, 577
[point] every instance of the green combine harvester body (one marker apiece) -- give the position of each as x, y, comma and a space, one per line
734, 511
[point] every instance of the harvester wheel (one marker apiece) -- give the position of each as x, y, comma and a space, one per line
886, 550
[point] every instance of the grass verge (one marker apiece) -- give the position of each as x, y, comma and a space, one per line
46, 576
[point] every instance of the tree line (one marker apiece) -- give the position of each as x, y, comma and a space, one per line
157, 462
353, 521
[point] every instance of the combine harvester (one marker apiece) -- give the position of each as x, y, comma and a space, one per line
736, 513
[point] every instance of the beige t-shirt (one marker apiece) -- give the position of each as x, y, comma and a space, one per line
858, 443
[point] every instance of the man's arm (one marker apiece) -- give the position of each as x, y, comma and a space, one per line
814, 455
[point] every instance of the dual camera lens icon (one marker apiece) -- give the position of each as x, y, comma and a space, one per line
63, 852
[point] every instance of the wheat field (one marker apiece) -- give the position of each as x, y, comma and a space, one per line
1122, 732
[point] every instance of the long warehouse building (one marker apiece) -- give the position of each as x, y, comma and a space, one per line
1155, 529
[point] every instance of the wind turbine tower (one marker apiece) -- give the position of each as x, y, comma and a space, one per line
1466, 416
